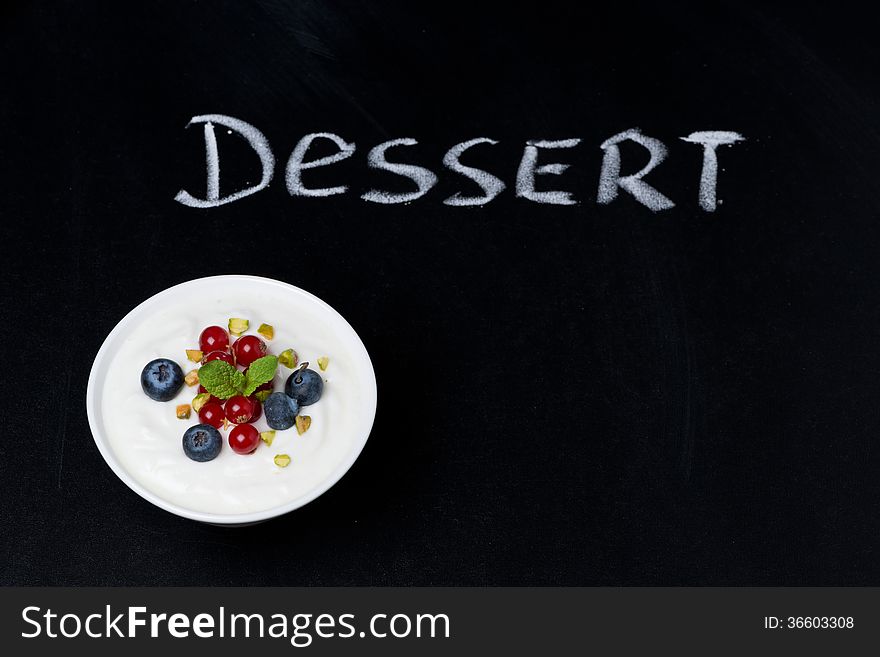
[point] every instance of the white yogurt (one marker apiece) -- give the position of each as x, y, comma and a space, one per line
145, 435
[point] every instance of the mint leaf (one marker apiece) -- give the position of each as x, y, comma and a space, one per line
221, 379
260, 371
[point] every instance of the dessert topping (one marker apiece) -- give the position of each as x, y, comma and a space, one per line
237, 325
303, 422
289, 358
200, 400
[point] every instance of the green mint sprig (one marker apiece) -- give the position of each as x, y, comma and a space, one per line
261, 371
224, 381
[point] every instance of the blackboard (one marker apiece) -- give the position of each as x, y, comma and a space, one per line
593, 393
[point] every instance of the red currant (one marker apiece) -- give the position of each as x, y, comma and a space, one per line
258, 409
212, 413
214, 338
241, 409
219, 355
244, 438
247, 349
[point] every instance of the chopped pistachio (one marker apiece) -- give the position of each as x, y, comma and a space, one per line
200, 400
303, 422
267, 331
194, 355
289, 358
192, 378
237, 326
323, 362
262, 395
267, 437
282, 460
183, 412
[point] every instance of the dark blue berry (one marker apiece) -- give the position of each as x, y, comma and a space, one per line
305, 386
161, 379
202, 442
280, 411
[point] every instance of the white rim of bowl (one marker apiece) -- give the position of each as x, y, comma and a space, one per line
221, 518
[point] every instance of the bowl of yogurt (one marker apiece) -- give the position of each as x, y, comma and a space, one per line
140, 439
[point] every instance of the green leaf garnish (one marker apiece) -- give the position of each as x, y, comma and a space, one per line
260, 371
221, 379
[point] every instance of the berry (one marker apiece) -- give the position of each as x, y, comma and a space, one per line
212, 413
247, 349
241, 409
213, 399
244, 438
305, 386
280, 411
258, 409
214, 338
225, 356
161, 379
202, 442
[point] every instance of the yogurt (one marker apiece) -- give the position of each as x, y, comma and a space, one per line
145, 435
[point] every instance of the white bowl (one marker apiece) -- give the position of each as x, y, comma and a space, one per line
355, 353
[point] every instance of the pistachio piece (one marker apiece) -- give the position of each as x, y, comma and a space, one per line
262, 394
183, 411
194, 355
323, 362
289, 358
303, 422
267, 331
282, 460
200, 400
192, 378
237, 325
267, 437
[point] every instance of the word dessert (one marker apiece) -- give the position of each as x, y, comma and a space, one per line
611, 180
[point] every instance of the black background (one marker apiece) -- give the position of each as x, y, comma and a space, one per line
567, 395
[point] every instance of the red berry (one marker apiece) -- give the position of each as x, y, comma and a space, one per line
212, 413
214, 338
247, 349
212, 399
258, 409
241, 409
219, 355
244, 438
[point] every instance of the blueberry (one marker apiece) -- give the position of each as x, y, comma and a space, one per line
280, 410
202, 442
305, 386
161, 379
